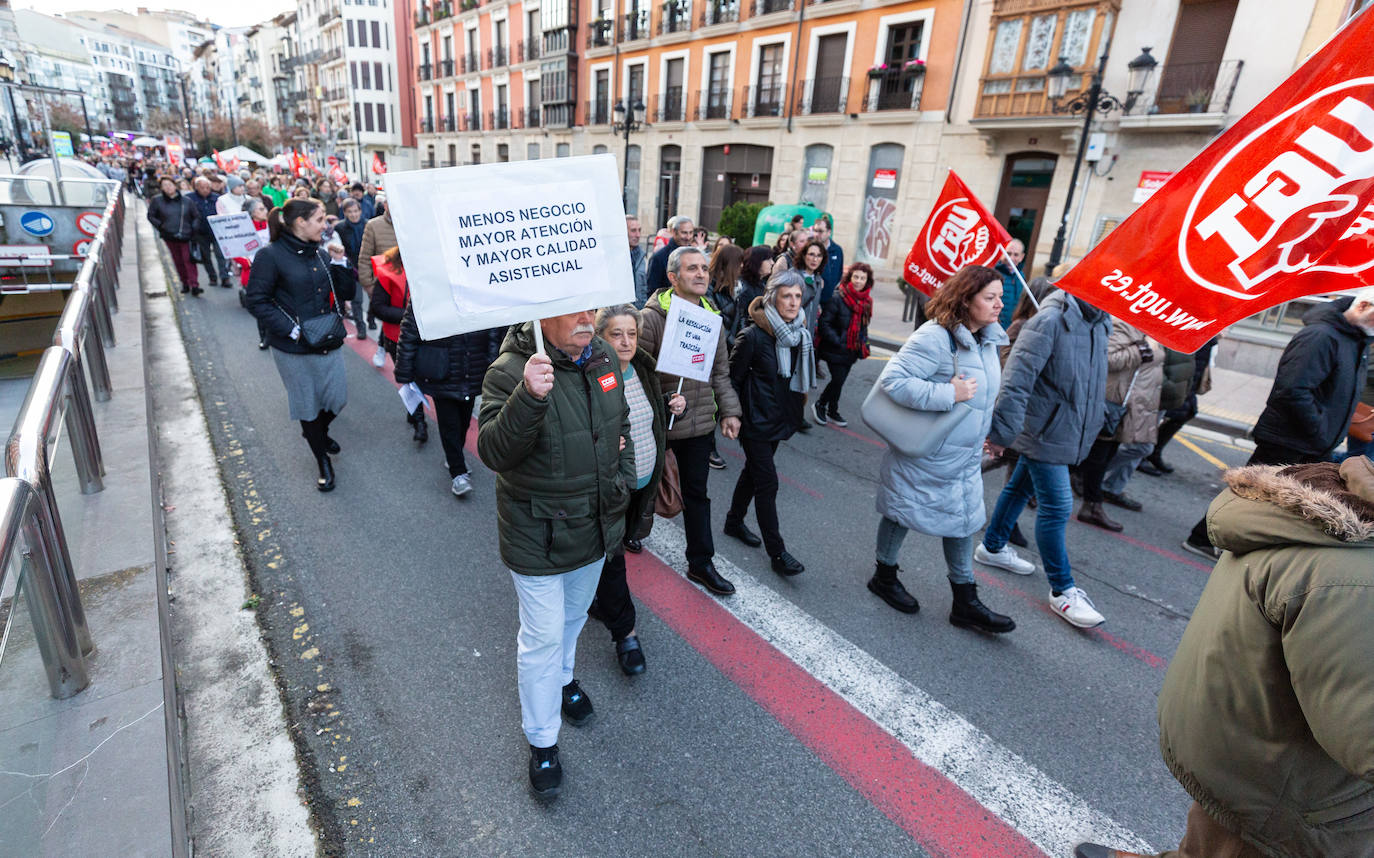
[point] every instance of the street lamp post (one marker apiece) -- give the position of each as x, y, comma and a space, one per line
1095, 100
627, 121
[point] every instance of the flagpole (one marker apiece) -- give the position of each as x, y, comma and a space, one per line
1025, 290
678, 393
538, 338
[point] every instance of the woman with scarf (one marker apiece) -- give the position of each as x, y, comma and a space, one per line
950, 359
772, 367
844, 337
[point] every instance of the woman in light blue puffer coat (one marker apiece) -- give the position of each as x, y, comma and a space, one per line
942, 494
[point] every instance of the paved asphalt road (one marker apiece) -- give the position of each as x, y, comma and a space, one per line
393, 627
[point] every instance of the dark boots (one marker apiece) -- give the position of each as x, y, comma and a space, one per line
884, 585
417, 422
1093, 513
969, 612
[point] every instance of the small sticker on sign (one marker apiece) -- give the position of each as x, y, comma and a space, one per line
698, 358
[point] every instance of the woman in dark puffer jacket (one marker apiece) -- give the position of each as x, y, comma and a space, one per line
449, 371
844, 337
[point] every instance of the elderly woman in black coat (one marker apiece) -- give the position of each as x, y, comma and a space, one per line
772, 367
450, 372
291, 285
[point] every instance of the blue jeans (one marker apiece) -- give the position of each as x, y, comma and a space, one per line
958, 550
1050, 486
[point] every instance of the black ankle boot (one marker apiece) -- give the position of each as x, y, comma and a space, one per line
884, 585
421, 430
326, 480
969, 612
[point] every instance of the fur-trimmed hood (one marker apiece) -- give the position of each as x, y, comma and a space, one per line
1316, 504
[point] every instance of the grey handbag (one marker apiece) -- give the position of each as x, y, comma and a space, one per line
915, 434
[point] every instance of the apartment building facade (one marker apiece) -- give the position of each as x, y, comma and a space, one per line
54, 55
838, 102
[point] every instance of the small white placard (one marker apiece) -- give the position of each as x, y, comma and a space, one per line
236, 235
689, 341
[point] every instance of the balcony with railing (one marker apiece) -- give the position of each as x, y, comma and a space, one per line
471, 64
768, 7
499, 119
598, 113
713, 103
327, 16
635, 25
670, 106
1191, 88
823, 95
329, 55
497, 57
442, 10
532, 117
428, 164
895, 89
445, 68
424, 71
719, 12
675, 16
450, 124
600, 33
427, 126
528, 50
469, 5
763, 101
423, 17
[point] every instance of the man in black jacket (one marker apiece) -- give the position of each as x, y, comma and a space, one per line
1313, 397
216, 266
657, 276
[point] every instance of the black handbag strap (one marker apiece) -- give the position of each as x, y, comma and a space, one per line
338, 310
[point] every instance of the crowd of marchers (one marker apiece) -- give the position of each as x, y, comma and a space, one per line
588, 442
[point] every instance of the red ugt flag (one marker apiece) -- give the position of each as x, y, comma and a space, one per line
960, 231
1280, 206
378, 165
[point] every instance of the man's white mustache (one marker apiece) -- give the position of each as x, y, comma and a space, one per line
583, 329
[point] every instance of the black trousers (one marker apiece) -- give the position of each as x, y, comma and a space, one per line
453, 417
614, 606
758, 482
216, 266
694, 471
1265, 454
1094, 468
418, 416
830, 397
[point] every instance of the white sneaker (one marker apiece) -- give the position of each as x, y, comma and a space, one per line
379, 357
1006, 559
462, 484
1076, 609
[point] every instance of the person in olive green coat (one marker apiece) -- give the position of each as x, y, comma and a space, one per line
556, 430
1266, 716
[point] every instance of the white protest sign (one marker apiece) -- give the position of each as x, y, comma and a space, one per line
689, 340
496, 244
236, 235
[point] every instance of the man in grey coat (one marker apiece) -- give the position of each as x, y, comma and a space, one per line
1049, 410
638, 261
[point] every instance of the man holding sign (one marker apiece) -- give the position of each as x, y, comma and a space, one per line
708, 392
498, 244
555, 428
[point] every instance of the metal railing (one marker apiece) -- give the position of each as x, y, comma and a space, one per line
30, 524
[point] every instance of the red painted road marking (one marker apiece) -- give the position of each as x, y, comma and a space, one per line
1160, 551
932, 809
864, 438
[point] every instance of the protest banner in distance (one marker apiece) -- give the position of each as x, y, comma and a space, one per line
236, 234
496, 244
1280, 206
689, 341
960, 231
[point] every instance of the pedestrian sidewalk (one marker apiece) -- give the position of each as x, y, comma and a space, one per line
1231, 407
95, 774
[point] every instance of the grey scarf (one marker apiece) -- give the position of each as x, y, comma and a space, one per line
788, 335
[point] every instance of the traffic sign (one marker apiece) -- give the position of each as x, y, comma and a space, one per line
88, 222
37, 223
82, 247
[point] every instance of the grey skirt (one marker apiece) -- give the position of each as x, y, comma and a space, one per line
313, 382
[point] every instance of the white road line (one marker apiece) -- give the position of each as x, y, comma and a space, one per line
1042, 810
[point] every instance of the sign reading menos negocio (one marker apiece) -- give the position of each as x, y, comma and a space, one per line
497, 244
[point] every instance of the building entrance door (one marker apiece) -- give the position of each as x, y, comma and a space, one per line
1022, 198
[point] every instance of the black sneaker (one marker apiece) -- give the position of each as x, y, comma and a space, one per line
837, 419
786, 564
577, 706
546, 772
1206, 551
818, 412
715, 461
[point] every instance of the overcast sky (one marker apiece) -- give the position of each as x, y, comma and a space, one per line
240, 13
